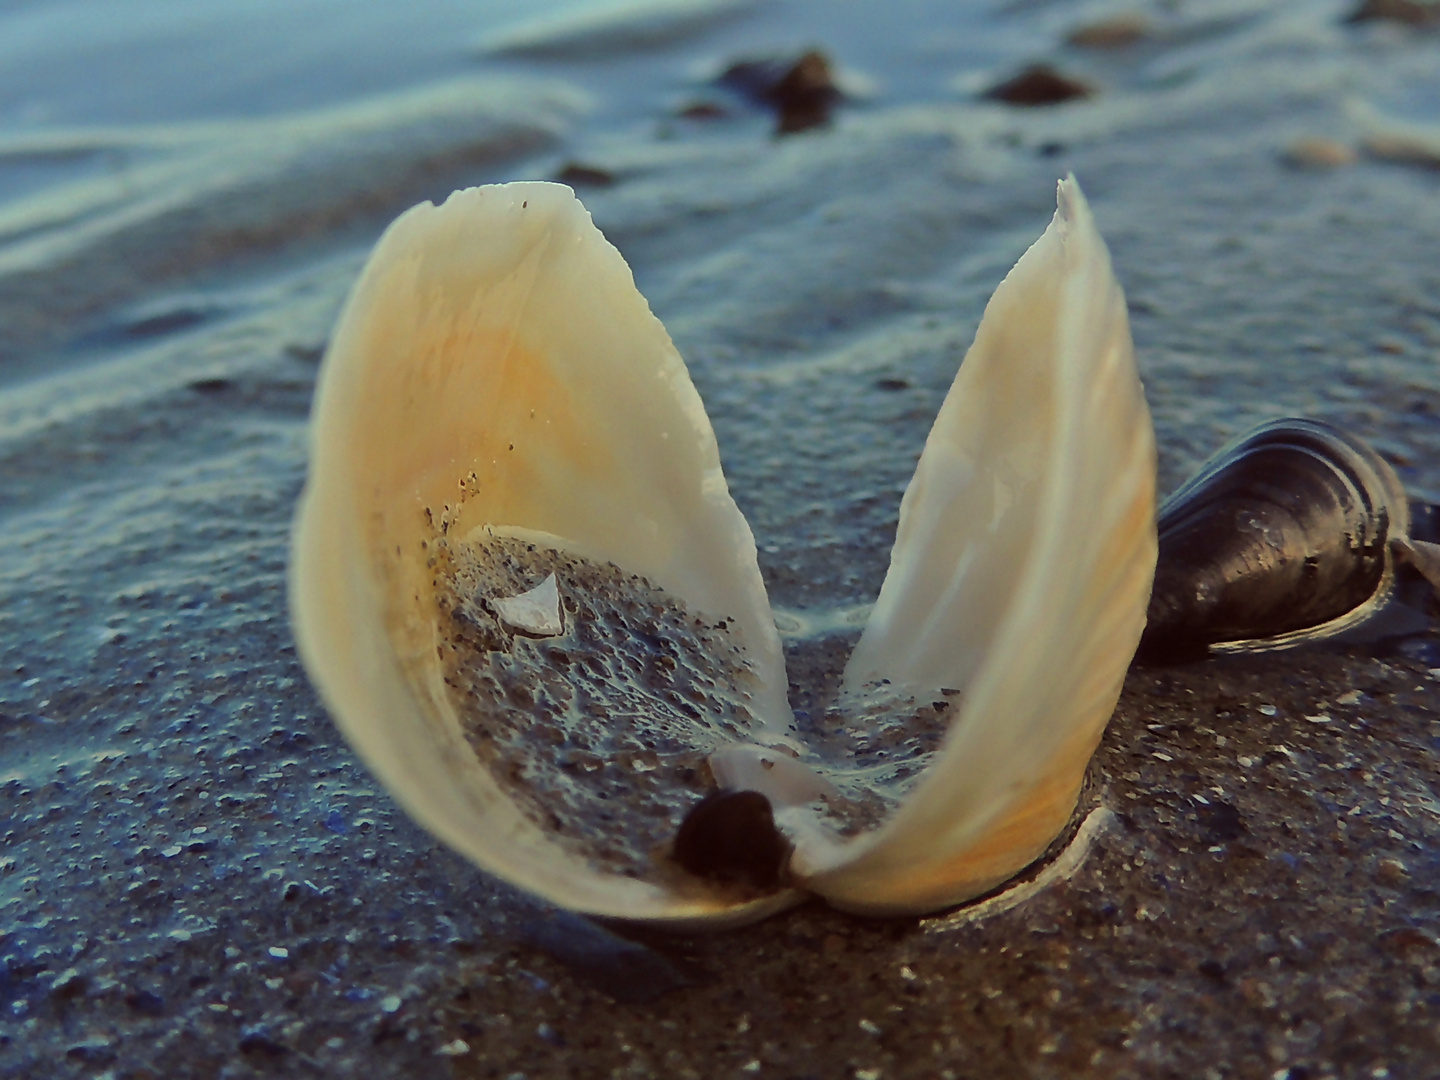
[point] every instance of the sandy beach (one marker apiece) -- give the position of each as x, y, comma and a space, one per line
199, 879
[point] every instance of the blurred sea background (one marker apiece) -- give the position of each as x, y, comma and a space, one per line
187, 191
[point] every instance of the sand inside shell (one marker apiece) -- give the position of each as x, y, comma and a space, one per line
601, 734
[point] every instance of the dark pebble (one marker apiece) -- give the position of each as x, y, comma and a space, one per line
802, 91
1038, 85
731, 836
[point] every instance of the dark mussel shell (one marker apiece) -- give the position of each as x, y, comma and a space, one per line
1282, 537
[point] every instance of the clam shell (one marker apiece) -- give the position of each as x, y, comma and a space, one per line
1282, 537
498, 405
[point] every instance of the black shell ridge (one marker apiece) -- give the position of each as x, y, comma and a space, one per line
1282, 537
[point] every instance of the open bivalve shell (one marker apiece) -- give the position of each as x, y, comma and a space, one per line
523, 589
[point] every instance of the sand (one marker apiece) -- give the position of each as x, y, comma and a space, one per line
198, 879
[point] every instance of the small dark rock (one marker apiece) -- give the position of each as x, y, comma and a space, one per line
211, 386
578, 175
1038, 85
892, 384
731, 836
1409, 12
801, 91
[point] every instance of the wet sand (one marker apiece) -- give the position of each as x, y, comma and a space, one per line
198, 879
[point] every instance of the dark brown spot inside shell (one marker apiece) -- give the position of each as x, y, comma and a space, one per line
731, 836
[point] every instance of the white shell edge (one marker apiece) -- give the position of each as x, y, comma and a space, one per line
1039, 628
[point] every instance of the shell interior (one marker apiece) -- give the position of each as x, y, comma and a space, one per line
530, 603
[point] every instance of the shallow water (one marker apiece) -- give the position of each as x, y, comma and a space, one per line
185, 196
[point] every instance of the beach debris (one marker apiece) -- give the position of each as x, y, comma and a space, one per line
1282, 537
1113, 32
731, 836
1039, 85
577, 175
1313, 152
499, 406
802, 90
536, 612
1409, 12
